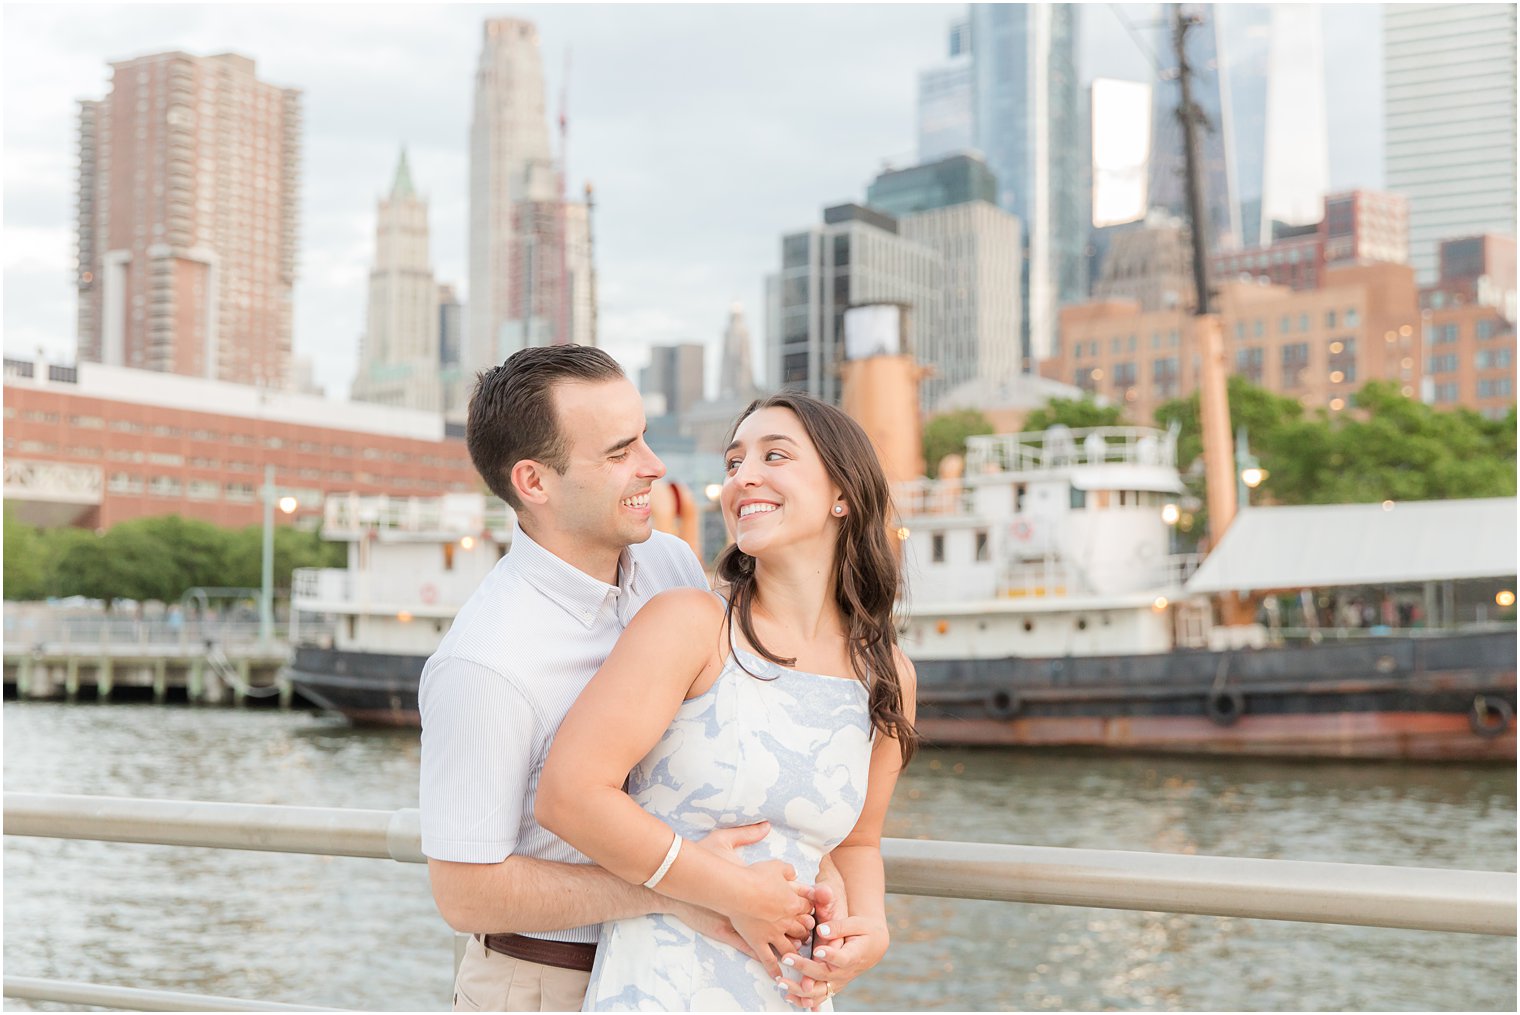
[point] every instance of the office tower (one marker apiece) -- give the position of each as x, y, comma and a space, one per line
856, 256
1029, 120
450, 326
736, 378
1449, 121
1149, 262
675, 374
1245, 37
189, 203
399, 359
1296, 175
949, 207
509, 150
947, 100
1168, 177
1120, 121
579, 269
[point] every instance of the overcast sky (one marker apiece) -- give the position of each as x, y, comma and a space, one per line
707, 129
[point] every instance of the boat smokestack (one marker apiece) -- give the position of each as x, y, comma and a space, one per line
879, 386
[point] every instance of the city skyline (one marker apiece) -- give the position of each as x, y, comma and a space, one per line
682, 230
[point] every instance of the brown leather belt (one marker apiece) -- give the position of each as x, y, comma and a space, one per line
560, 954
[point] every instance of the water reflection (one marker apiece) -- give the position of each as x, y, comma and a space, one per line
363, 933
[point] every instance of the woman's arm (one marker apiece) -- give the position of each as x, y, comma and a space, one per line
665, 653
845, 948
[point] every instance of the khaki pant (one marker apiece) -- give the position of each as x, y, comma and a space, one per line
490, 981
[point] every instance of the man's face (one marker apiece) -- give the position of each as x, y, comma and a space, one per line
602, 499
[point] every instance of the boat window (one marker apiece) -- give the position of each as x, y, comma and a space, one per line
938, 551
448, 556
1020, 490
981, 545
1078, 498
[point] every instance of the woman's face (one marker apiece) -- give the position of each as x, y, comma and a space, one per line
776, 492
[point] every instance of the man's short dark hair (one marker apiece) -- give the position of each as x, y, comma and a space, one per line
512, 411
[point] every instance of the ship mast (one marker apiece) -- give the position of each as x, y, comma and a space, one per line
1213, 391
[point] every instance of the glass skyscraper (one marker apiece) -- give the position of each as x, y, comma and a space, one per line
1028, 115
1168, 182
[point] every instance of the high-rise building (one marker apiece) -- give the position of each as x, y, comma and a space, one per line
1245, 39
1149, 262
1029, 125
1296, 172
947, 101
399, 359
509, 150
736, 378
1168, 177
189, 205
675, 374
1449, 121
956, 179
1120, 127
450, 326
857, 255
949, 207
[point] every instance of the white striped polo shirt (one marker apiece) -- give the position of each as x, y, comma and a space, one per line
521, 649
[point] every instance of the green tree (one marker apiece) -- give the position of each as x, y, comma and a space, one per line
1076, 413
1392, 448
25, 573
946, 435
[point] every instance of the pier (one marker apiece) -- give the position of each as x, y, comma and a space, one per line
96, 659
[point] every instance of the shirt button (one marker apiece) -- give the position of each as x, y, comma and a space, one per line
587, 616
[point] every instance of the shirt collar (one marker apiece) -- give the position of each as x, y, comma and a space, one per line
579, 594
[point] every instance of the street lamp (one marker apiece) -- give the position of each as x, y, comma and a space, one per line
1251, 473
287, 505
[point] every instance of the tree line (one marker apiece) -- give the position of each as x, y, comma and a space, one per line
155, 558
1389, 447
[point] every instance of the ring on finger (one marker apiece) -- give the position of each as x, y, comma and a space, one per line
830, 995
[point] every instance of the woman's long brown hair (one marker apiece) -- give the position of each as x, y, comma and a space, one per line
866, 574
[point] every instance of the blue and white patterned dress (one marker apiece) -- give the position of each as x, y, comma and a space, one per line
794, 749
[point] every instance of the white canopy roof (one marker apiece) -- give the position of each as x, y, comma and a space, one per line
1362, 544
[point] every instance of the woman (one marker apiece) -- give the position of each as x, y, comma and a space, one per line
785, 702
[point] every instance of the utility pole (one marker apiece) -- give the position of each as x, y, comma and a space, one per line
1213, 389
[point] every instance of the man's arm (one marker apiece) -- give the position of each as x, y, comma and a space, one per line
523, 896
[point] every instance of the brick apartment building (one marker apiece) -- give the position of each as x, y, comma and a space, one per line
1319, 346
96, 445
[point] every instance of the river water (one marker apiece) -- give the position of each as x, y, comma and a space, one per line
357, 933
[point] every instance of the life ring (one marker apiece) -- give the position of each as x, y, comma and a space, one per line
1490, 715
1224, 708
428, 593
1003, 704
1022, 531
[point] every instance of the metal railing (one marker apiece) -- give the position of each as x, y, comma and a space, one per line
1411, 898
1060, 446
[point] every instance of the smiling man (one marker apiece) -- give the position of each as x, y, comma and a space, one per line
558, 433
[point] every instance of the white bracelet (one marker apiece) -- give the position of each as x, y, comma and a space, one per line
670, 858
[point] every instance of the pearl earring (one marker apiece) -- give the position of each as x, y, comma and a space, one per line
839, 509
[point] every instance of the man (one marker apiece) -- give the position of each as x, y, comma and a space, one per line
558, 433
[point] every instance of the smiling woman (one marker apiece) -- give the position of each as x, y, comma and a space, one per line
804, 750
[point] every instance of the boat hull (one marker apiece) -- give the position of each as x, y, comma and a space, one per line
1442, 698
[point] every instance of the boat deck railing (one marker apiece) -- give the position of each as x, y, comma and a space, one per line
1413, 898
1062, 447
352, 515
